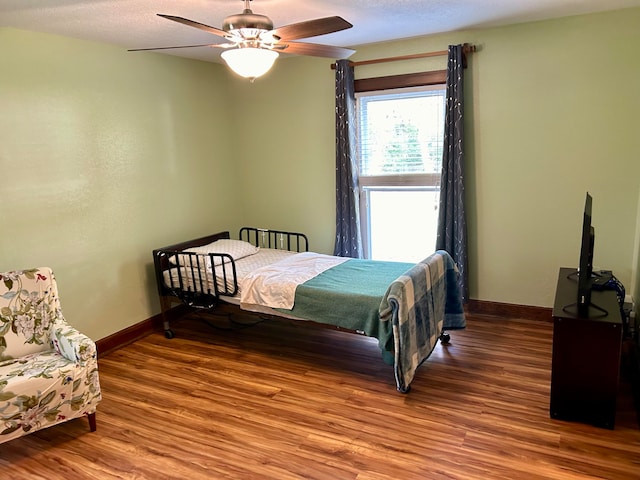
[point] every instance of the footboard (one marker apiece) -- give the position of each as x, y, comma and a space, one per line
198, 280
162, 259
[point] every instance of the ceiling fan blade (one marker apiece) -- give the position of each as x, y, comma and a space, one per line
180, 46
191, 23
223, 45
311, 28
315, 50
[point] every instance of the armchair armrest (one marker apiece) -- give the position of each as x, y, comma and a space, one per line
72, 344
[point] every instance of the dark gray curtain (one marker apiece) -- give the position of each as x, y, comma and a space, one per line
452, 225
348, 240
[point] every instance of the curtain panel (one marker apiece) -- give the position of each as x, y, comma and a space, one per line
452, 226
348, 239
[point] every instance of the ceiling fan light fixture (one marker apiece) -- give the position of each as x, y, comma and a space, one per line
250, 62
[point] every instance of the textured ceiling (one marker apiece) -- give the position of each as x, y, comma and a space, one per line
134, 24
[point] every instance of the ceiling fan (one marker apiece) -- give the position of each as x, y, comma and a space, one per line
252, 44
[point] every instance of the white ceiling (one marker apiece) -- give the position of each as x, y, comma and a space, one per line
134, 23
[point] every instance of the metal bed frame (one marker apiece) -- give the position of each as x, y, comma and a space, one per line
191, 287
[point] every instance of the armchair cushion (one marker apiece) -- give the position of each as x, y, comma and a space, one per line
48, 370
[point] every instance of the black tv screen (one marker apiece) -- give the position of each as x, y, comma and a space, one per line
585, 269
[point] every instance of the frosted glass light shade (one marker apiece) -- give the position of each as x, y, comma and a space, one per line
249, 62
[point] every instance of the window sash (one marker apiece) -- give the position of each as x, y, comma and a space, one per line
405, 180
367, 213
395, 138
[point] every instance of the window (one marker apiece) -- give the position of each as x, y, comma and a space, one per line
401, 135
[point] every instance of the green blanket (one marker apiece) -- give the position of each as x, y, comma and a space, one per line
354, 289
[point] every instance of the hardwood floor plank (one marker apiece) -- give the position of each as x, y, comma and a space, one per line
284, 401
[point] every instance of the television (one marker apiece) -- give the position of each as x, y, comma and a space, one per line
585, 269
585, 276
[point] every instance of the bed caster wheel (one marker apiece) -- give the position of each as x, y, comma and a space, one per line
445, 338
169, 334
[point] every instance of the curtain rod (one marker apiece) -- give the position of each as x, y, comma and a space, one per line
466, 48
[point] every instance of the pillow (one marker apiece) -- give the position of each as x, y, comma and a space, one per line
237, 249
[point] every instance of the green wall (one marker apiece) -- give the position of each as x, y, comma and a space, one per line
107, 154
554, 116
286, 153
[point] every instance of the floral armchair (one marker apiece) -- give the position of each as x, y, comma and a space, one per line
48, 370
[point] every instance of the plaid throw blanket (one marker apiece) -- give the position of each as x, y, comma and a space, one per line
420, 304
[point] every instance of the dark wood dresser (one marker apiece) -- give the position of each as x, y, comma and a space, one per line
586, 355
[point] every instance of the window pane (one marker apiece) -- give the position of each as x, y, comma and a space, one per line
401, 133
403, 224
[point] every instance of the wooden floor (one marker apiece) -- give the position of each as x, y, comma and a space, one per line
280, 401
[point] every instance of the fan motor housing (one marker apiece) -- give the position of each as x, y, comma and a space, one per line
247, 20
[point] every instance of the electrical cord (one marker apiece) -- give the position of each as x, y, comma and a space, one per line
235, 324
614, 284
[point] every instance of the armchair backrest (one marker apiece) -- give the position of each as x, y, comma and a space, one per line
29, 307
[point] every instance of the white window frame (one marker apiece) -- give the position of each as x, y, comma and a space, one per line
393, 182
